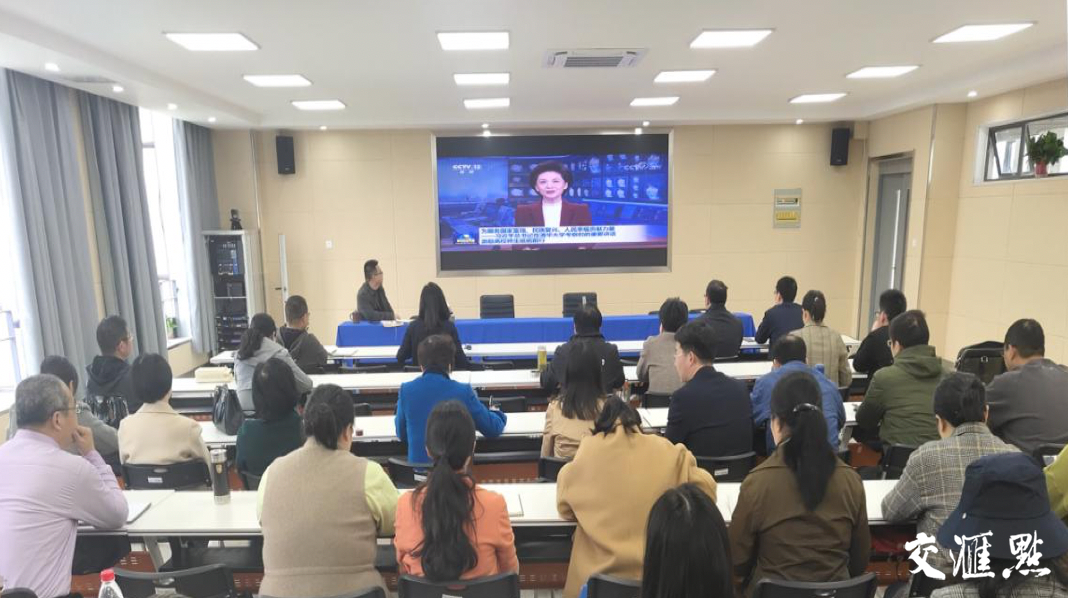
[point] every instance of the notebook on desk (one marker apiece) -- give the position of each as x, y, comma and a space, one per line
136, 509
514, 502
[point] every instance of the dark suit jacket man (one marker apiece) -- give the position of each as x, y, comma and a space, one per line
781, 319
611, 367
712, 415
728, 330
571, 214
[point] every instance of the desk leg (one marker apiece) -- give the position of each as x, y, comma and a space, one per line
152, 546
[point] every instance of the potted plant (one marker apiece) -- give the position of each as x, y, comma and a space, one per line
1045, 151
172, 327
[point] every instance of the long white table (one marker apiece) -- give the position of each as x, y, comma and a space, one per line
498, 350
195, 514
487, 380
381, 428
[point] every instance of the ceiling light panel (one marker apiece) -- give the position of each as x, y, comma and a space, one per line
213, 42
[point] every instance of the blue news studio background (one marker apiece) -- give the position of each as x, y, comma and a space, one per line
619, 189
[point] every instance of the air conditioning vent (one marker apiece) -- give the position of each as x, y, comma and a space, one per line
88, 80
609, 58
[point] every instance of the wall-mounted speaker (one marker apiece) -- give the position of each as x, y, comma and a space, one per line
840, 146
283, 145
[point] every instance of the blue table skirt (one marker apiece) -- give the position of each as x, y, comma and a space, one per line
516, 330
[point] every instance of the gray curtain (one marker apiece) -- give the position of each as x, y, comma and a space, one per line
112, 134
199, 205
58, 304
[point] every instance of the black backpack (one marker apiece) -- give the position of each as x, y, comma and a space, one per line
985, 360
110, 409
226, 411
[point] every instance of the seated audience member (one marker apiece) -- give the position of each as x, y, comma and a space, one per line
898, 405
448, 528
322, 508
727, 326
45, 491
801, 514
687, 552
618, 472
1029, 402
105, 438
711, 413
930, 486
784, 317
157, 434
1057, 484
276, 430
656, 365
258, 344
824, 345
570, 415
109, 374
1005, 496
587, 330
419, 397
874, 352
371, 302
302, 345
434, 318
788, 356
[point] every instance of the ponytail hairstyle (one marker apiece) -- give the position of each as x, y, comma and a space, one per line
795, 402
687, 553
816, 305
448, 495
329, 411
617, 411
261, 327
960, 398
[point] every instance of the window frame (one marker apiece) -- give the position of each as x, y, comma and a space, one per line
990, 147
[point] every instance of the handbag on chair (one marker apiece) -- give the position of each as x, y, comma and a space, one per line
226, 411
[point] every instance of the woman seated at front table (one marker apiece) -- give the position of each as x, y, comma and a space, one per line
322, 508
276, 429
801, 514
615, 478
570, 416
434, 318
258, 344
448, 528
157, 434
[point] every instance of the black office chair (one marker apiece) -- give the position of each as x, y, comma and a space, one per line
626, 362
1046, 454
496, 306
209, 581
844, 391
894, 459
986, 360
607, 586
506, 404
412, 368
504, 585
728, 469
549, 468
573, 302
652, 400
404, 472
363, 410
364, 369
496, 364
18, 593
179, 476
858, 587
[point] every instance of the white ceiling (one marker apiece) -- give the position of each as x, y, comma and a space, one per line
383, 60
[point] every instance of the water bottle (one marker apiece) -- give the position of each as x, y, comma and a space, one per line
108, 587
543, 358
220, 481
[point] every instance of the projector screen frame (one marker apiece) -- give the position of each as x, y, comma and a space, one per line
544, 271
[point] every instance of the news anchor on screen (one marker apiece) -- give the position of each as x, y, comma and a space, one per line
550, 180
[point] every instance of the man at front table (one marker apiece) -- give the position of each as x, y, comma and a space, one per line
45, 491
371, 302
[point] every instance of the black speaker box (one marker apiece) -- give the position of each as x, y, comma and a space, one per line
839, 146
286, 160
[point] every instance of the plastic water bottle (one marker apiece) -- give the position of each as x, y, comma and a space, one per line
543, 358
108, 586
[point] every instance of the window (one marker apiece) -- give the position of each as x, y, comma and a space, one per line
12, 368
161, 185
1006, 148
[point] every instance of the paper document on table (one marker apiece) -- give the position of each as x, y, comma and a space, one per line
393, 323
136, 509
344, 351
514, 502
